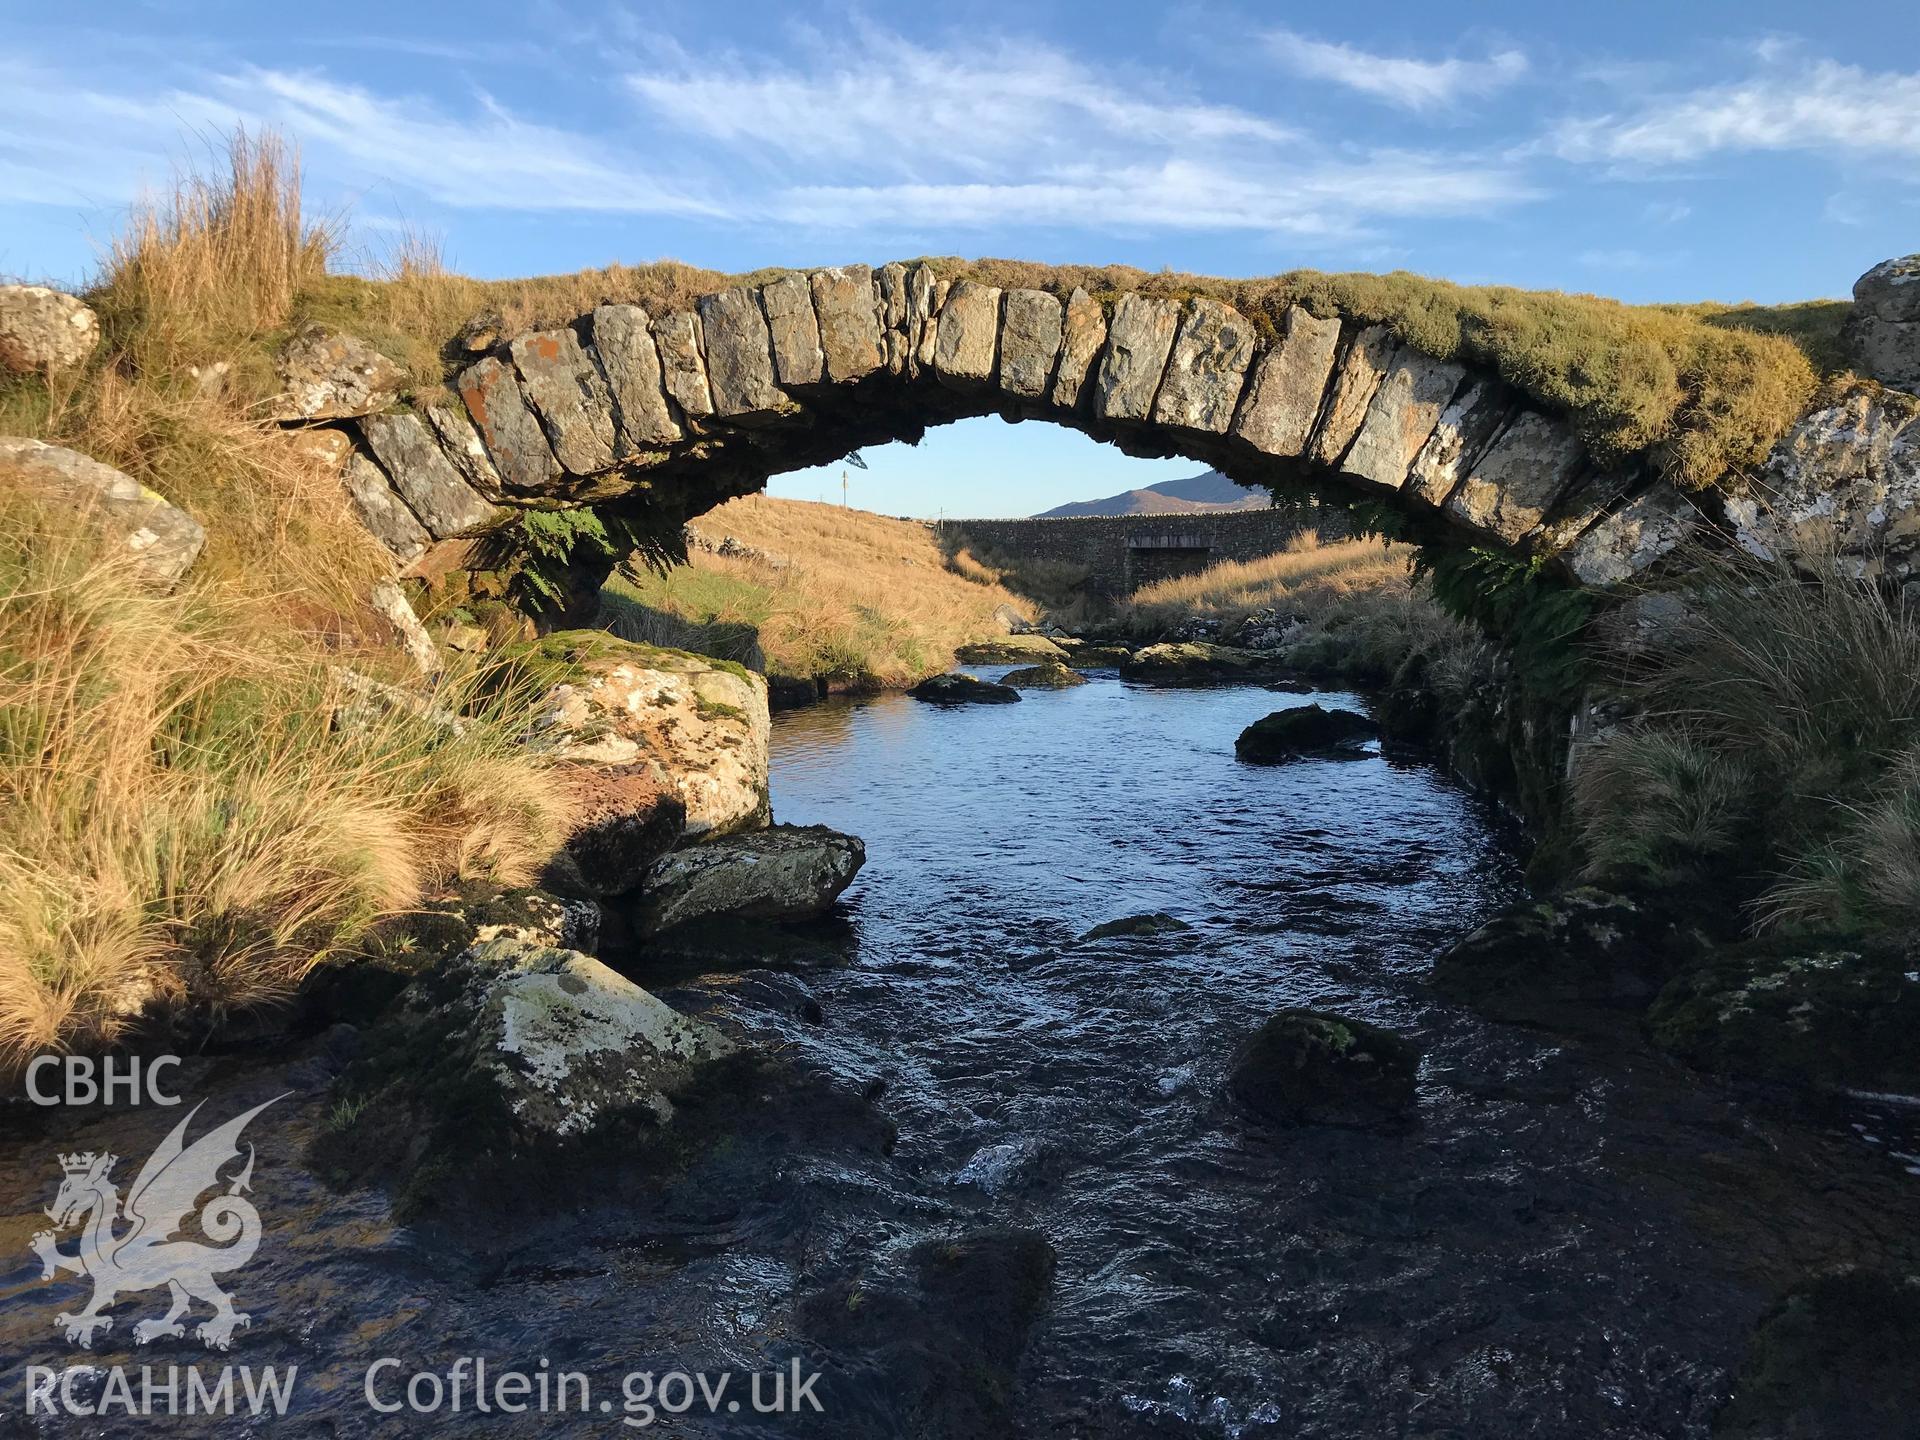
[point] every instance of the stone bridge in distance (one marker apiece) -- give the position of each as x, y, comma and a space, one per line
666, 415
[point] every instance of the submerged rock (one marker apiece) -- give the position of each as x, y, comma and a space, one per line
1539, 963
1043, 677
1833, 1358
786, 872
1153, 923
1310, 1067
957, 689
1303, 731
1840, 1013
1193, 662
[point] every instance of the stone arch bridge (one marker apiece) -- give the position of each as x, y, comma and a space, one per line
664, 415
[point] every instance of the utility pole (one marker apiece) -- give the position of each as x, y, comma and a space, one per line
843, 489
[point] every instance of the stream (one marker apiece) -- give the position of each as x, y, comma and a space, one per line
1575, 1240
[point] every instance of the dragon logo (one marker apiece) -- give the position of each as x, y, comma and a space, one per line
147, 1254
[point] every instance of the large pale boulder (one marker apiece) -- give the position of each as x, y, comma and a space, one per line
1139, 340
1845, 483
1882, 336
1206, 370
328, 375
699, 724
44, 331
786, 872
1283, 400
162, 538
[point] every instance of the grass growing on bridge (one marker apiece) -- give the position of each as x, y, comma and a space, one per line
861, 600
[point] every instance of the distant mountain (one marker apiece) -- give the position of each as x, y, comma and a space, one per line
1209, 490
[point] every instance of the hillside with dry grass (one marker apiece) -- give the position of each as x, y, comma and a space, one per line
858, 600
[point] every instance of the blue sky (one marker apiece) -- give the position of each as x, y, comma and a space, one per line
1758, 151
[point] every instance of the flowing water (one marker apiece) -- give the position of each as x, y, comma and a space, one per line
1575, 1240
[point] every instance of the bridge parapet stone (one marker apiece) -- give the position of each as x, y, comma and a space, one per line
968, 339
843, 301
1030, 331
1083, 337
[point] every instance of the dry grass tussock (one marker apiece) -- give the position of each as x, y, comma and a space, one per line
861, 599
190, 813
1781, 735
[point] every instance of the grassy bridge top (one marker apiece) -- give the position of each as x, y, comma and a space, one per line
1705, 390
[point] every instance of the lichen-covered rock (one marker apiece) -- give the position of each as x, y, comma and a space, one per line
1882, 335
623, 341
699, 724
387, 517
1310, 1067
1515, 483
1099, 657
1283, 399
162, 539
568, 392
1193, 662
1139, 340
785, 872
1461, 435
1643, 531
42, 331
1844, 483
625, 817
1029, 343
1401, 418
1043, 677
327, 375
683, 367
1305, 731
1083, 335
1356, 378
515, 440
843, 303
1840, 1013
1206, 369
463, 447
957, 689
740, 358
425, 478
1013, 649
967, 336
794, 330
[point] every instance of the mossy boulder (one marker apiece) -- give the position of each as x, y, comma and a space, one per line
1099, 657
1311, 1067
1303, 732
958, 689
1549, 961
931, 1347
1833, 1358
1195, 662
1836, 1013
785, 872
1011, 650
1153, 923
1043, 677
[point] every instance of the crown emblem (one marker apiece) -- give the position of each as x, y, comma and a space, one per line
83, 1162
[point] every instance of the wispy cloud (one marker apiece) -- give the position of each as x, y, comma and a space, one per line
1824, 107
1397, 80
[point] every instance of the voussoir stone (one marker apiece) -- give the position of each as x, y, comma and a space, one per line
849, 325
1207, 370
386, 516
795, 330
461, 444
1139, 340
571, 397
967, 335
890, 290
1084, 332
920, 327
44, 331
1355, 381
1029, 342
1283, 400
1511, 487
683, 368
1646, 529
425, 478
163, 539
1401, 418
1463, 432
521, 455
623, 339
740, 358
328, 375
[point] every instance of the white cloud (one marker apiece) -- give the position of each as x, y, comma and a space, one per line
1827, 107
1411, 84
1666, 212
